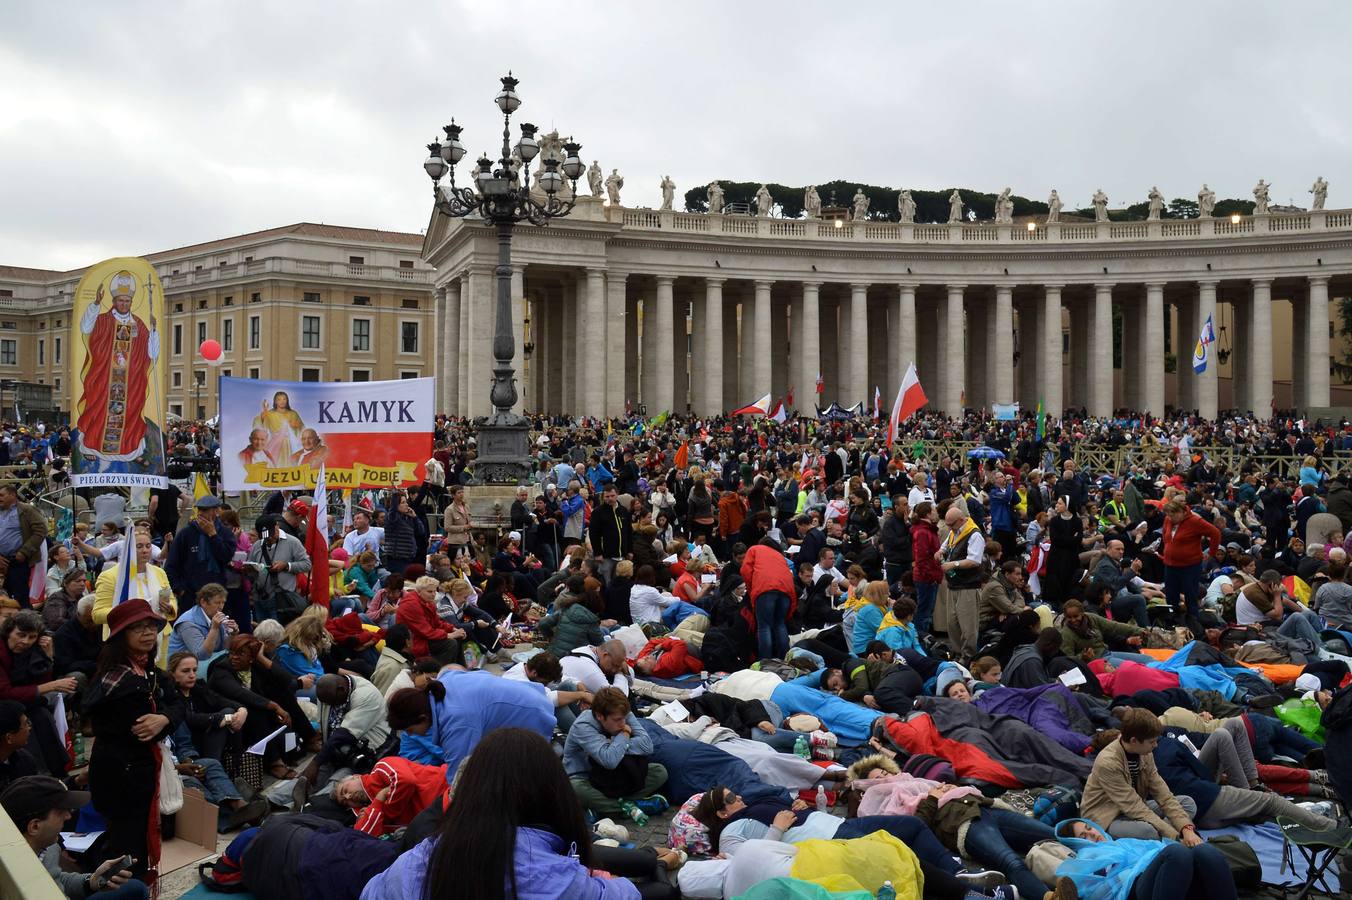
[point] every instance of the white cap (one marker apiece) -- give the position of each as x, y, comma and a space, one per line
515, 536
1308, 682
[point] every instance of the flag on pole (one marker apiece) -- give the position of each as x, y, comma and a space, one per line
1201, 353
683, 455
821, 384
126, 572
200, 488
317, 542
760, 408
778, 414
910, 397
877, 403
347, 509
37, 579
1041, 420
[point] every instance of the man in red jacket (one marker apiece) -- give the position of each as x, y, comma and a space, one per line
667, 657
395, 791
1182, 552
770, 596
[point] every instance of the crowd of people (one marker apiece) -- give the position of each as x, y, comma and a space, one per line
819, 658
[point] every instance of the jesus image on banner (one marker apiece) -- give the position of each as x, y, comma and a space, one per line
122, 350
283, 426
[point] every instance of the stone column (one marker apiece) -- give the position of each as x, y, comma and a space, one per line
664, 364
856, 348
809, 354
1208, 383
830, 352
680, 350
779, 349
1029, 330
731, 386
1050, 359
1317, 348
1185, 338
699, 319
713, 347
556, 376
482, 290
747, 390
978, 351
1260, 330
631, 361
615, 346
1154, 348
450, 349
762, 347
953, 351
1300, 338
648, 365
1100, 357
438, 345
1075, 393
1001, 387
593, 373
462, 346
584, 343
519, 335
792, 360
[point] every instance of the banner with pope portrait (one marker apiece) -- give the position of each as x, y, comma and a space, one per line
373, 434
117, 376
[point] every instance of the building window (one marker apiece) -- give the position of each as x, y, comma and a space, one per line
56, 382
225, 373
309, 332
201, 304
9, 353
408, 337
253, 373
222, 262
309, 374
42, 353
255, 297
6, 292
409, 303
359, 375
42, 326
56, 351
248, 259
9, 325
255, 332
361, 335
178, 307
405, 263
311, 297
406, 375
178, 379
228, 335
361, 301
228, 301
178, 340
176, 409
201, 332
356, 260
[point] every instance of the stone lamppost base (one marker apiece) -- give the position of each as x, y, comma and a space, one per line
503, 456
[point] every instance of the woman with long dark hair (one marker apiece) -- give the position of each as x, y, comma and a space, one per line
132, 706
514, 830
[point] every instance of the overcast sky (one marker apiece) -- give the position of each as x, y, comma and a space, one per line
132, 127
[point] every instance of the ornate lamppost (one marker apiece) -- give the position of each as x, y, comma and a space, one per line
500, 194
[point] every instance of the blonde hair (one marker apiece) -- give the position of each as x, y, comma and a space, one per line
877, 593
307, 633
458, 587
424, 582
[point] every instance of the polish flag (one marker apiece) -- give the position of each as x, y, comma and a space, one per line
778, 414
317, 542
877, 402
910, 397
760, 408
821, 384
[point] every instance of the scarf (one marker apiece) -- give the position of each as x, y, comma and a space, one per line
956, 537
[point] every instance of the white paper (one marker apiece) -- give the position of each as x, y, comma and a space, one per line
257, 749
676, 711
289, 742
671, 560
706, 578
792, 549
79, 841
59, 714
1071, 677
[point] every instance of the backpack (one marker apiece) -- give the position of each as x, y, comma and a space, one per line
1044, 857
688, 833
930, 767
1057, 804
1242, 860
226, 874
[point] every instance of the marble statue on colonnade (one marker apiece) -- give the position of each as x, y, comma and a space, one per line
1004, 208
715, 197
613, 185
812, 202
860, 205
1206, 202
765, 204
1100, 206
668, 191
1260, 197
1320, 189
1156, 204
906, 207
594, 179
954, 207
1053, 208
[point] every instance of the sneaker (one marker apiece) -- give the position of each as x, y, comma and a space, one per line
607, 828
653, 805
981, 880
1005, 892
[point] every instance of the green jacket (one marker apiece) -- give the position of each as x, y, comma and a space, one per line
32, 531
1074, 643
576, 626
864, 675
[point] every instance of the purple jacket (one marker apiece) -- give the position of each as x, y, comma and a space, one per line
1050, 708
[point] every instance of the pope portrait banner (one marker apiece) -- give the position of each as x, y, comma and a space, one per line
371, 434
118, 376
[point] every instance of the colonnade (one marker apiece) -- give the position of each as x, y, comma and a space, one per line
604, 340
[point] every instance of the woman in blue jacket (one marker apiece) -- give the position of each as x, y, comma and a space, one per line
514, 831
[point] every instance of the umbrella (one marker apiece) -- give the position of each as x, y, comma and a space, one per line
984, 453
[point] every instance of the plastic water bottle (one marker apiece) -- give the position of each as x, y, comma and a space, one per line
801, 748
639, 817
821, 798
887, 892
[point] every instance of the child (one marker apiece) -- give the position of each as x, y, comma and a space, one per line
897, 630
1124, 778
987, 671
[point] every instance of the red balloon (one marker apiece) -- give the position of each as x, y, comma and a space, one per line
210, 350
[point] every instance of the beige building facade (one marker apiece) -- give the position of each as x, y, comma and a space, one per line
303, 302
671, 310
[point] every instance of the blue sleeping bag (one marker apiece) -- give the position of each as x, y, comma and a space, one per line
849, 722
693, 767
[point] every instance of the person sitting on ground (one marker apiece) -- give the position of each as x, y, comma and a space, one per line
59, 606
15, 760
26, 676
568, 699
598, 667
203, 629
351, 723
246, 677
392, 658
306, 641
897, 629
455, 606
606, 757
431, 636
646, 602
572, 624
1001, 597
211, 722
384, 602
1085, 636
391, 794
77, 642
1126, 795
40, 807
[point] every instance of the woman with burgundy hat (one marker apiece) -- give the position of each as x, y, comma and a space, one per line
131, 705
